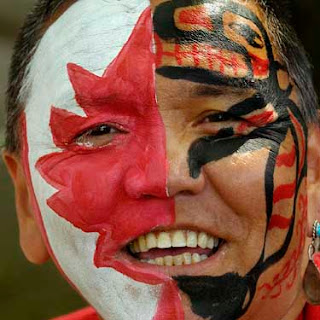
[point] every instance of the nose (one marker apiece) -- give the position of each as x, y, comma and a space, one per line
180, 180
147, 177
160, 174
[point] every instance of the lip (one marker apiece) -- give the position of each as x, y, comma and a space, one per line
112, 254
200, 268
196, 269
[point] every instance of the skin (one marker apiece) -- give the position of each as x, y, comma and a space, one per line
222, 192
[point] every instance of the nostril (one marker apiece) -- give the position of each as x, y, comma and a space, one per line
147, 196
141, 185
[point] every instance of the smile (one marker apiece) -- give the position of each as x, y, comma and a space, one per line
174, 248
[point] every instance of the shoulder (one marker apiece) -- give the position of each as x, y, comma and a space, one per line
83, 314
312, 312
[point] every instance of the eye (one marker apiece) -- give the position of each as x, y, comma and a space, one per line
98, 136
218, 117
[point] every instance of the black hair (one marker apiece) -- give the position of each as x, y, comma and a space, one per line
278, 18
26, 44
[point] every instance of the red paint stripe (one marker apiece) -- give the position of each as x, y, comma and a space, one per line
197, 17
279, 222
261, 119
257, 120
287, 159
260, 66
284, 191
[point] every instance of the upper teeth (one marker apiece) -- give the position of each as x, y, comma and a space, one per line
174, 239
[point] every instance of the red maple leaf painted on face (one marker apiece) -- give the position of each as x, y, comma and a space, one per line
119, 190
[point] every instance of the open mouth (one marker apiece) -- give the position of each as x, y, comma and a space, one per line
174, 248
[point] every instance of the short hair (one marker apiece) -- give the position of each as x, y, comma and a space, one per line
277, 14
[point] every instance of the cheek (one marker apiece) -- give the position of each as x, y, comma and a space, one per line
280, 192
240, 181
287, 275
287, 227
119, 191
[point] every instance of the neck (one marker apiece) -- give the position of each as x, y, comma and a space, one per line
296, 309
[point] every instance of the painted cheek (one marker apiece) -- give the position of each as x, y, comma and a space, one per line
289, 215
118, 191
281, 214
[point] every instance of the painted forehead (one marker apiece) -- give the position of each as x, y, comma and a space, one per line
217, 27
224, 39
90, 33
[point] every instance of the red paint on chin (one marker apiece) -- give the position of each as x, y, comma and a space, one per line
169, 307
118, 191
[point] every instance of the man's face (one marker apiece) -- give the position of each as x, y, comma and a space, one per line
166, 152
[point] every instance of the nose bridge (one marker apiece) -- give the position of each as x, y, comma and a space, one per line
179, 178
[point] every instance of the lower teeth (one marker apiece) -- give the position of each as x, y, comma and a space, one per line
182, 259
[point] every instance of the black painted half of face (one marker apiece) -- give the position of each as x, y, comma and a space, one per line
223, 298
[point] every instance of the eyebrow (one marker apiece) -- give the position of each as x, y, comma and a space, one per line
217, 91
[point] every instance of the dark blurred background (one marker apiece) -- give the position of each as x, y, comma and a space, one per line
30, 292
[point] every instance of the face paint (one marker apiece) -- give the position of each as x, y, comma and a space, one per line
134, 163
230, 47
96, 143
125, 179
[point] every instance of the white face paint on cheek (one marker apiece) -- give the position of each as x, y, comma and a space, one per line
90, 33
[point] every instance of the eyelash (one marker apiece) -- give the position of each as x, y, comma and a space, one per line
96, 132
219, 117
100, 130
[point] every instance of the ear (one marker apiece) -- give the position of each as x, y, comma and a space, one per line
313, 176
31, 241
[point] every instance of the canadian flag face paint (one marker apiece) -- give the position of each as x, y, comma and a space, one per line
104, 196
127, 175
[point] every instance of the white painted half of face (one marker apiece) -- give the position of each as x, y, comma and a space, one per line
90, 33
